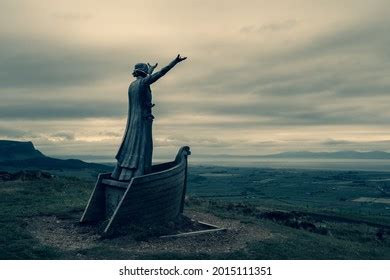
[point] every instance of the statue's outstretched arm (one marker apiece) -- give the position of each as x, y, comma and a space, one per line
155, 76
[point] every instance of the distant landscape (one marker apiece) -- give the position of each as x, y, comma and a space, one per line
15, 155
269, 213
342, 160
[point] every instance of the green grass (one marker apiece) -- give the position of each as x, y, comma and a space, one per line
354, 238
20, 201
343, 240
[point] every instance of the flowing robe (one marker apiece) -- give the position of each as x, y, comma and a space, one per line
135, 153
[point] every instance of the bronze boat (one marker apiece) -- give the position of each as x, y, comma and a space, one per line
156, 197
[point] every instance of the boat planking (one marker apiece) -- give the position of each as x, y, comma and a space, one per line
153, 198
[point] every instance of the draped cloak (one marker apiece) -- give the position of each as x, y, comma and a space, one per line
137, 144
136, 149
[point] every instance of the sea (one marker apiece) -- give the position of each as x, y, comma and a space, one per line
287, 163
301, 163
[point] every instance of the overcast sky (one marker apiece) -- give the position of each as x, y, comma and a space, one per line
261, 76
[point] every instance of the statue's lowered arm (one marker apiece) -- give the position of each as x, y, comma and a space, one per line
155, 76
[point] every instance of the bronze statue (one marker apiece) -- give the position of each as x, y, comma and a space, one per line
135, 153
132, 193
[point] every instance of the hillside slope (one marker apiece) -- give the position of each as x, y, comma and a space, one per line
23, 155
16, 150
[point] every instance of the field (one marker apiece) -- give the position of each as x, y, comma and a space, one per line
268, 213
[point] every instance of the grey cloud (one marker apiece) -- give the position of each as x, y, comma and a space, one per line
62, 109
330, 61
294, 86
110, 134
333, 142
180, 140
13, 133
275, 113
357, 38
40, 63
69, 136
72, 16
273, 27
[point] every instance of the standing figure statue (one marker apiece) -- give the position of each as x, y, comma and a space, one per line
135, 153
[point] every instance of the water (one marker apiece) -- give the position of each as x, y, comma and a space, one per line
290, 163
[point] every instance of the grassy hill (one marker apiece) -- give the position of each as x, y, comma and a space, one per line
16, 150
16, 155
269, 214
48, 163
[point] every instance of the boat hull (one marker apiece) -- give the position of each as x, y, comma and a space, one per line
154, 198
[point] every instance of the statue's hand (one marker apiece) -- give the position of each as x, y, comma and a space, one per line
180, 58
152, 67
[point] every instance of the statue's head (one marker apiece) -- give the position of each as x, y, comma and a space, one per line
140, 69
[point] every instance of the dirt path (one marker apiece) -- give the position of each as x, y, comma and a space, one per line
68, 235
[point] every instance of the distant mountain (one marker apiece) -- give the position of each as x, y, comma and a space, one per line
15, 150
48, 163
24, 155
311, 155
333, 155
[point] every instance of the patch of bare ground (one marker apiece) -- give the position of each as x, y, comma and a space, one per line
69, 235
235, 238
62, 234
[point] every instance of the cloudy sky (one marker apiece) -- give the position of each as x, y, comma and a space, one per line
261, 77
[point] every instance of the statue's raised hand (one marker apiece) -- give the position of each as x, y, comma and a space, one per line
180, 58
152, 67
